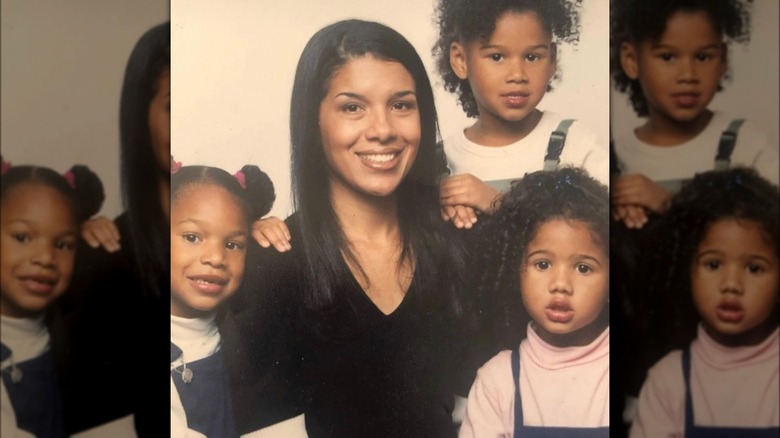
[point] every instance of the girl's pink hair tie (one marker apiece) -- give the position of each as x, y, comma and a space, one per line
70, 178
175, 166
6, 166
241, 178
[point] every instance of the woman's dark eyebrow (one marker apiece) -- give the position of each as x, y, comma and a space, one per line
396, 95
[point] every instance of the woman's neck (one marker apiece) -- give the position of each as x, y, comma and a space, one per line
364, 217
660, 130
374, 251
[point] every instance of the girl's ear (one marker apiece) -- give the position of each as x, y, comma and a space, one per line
553, 60
458, 60
724, 64
628, 60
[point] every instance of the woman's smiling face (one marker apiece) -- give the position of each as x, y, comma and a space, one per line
370, 126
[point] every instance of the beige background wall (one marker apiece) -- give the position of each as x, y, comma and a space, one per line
234, 62
62, 69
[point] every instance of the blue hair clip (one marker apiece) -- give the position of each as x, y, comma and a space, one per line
733, 181
561, 181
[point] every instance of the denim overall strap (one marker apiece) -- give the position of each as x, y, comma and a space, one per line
556, 144
35, 397
205, 395
522, 431
728, 139
693, 431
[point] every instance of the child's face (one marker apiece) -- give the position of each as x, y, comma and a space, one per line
680, 73
208, 249
370, 126
38, 241
565, 280
509, 72
734, 278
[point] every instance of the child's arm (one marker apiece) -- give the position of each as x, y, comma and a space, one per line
637, 189
634, 195
660, 410
101, 231
466, 195
491, 400
272, 231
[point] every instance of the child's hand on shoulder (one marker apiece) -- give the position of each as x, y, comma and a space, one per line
637, 189
461, 216
101, 231
468, 191
633, 216
272, 231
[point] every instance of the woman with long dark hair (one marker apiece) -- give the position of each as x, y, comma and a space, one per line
354, 326
118, 313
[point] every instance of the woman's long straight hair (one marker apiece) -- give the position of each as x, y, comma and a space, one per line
422, 230
149, 228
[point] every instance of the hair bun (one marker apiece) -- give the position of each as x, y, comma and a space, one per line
89, 191
260, 190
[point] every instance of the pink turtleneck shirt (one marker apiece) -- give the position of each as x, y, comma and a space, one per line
730, 386
567, 387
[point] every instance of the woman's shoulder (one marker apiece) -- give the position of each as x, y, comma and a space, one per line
271, 278
269, 261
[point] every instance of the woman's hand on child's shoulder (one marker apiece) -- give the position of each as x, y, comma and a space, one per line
101, 231
637, 189
468, 191
272, 231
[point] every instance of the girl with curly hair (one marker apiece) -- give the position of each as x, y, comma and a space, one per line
715, 284
499, 58
545, 292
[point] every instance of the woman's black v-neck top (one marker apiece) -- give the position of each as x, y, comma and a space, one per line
351, 369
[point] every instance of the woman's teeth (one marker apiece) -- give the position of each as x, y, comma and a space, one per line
378, 158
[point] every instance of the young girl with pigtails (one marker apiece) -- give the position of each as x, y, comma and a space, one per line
716, 278
39, 225
544, 289
211, 214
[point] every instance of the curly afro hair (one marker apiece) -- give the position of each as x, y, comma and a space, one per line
639, 20
468, 20
739, 193
569, 194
